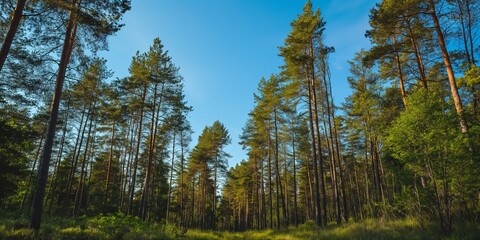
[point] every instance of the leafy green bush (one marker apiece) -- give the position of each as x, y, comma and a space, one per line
172, 230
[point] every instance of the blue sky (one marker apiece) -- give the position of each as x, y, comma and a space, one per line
224, 47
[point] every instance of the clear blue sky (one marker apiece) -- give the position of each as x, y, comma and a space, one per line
224, 47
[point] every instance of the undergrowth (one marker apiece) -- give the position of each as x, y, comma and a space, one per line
119, 226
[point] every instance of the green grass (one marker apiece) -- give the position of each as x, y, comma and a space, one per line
368, 229
13, 226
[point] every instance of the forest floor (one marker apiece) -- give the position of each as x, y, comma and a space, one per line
14, 226
367, 229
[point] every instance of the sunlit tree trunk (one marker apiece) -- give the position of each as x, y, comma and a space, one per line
400, 75
449, 69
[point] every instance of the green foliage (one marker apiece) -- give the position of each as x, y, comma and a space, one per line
112, 226
15, 145
426, 139
471, 78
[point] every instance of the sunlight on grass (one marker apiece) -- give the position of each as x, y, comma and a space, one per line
368, 229
121, 227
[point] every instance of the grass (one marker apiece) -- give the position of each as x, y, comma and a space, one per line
12, 226
368, 229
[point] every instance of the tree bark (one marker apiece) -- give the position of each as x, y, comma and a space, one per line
421, 68
74, 162
277, 168
319, 140
449, 69
295, 203
36, 216
170, 182
316, 199
83, 171
109, 166
137, 152
12, 30
53, 184
400, 76
270, 180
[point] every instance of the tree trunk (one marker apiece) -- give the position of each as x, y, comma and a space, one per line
137, 152
53, 184
295, 203
109, 167
449, 69
416, 51
128, 168
285, 175
316, 199
277, 168
270, 180
86, 198
171, 176
12, 30
32, 176
182, 214
262, 189
76, 153
70, 32
319, 140
151, 147
400, 76
83, 171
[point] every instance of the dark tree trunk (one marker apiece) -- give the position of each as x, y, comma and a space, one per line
295, 203
76, 154
41, 183
170, 181
279, 180
53, 184
12, 30
83, 171
109, 166
319, 141
137, 152
270, 182
316, 198
31, 178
